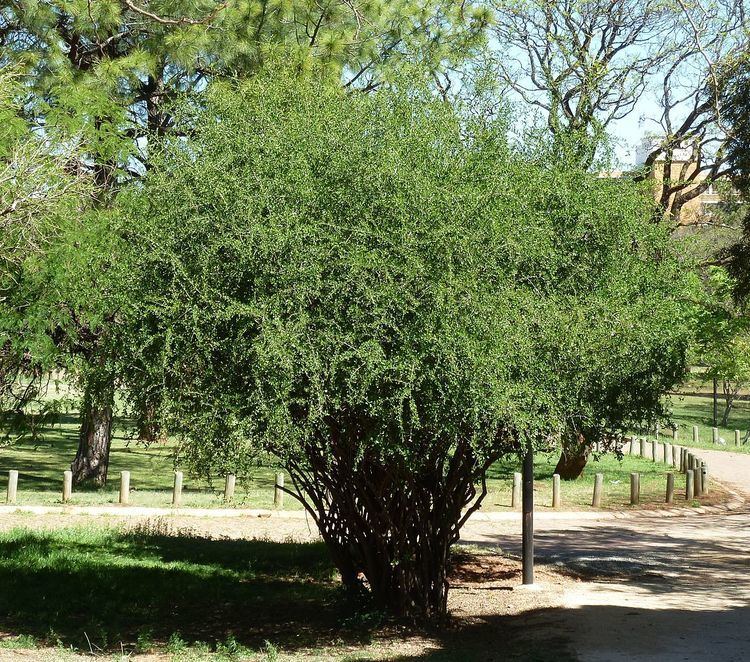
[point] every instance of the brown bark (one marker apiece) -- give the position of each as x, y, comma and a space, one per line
94, 441
573, 459
390, 525
149, 428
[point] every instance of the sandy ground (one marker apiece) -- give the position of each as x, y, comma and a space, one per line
654, 587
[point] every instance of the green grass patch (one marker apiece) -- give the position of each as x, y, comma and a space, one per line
577, 494
100, 589
41, 465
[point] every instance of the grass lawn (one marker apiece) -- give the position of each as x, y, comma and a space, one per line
576, 495
108, 590
691, 410
41, 466
179, 596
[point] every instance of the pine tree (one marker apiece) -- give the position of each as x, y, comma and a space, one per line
106, 72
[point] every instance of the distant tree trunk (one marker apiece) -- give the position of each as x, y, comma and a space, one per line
573, 459
149, 428
95, 438
730, 395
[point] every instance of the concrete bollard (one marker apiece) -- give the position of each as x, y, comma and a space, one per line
643, 448
596, 501
675, 456
12, 486
635, 489
689, 489
124, 487
715, 435
696, 437
697, 487
278, 493
736, 437
704, 478
177, 491
515, 500
670, 487
688, 461
658, 430
654, 450
67, 486
229, 483
632, 445
556, 499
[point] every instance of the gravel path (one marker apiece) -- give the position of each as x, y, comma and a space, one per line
656, 588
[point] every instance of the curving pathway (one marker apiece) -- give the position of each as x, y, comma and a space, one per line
656, 588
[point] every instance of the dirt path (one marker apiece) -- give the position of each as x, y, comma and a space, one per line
657, 588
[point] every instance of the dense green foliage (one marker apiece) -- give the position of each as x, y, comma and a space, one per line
42, 205
376, 290
723, 337
107, 70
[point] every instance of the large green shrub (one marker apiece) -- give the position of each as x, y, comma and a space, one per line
388, 298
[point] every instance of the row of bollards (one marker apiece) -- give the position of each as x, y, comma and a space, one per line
124, 498
715, 438
596, 500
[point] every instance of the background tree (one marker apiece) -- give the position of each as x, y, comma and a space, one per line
387, 298
734, 94
723, 333
42, 197
582, 63
107, 71
587, 63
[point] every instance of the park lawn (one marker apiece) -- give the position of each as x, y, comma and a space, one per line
688, 410
577, 494
41, 466
107, 589
179, 596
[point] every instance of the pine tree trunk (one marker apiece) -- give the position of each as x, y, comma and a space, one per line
94, 441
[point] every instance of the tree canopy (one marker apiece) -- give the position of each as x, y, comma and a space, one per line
387, 297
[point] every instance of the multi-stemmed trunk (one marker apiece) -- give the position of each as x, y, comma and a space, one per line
389, 523
91, 462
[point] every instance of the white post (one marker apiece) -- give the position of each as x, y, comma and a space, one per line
12, 486
67, 486
516, 494
177, 491
278, 492
124, 487
596, 501
556, 500
229, 487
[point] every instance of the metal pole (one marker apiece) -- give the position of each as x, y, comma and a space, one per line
528, 517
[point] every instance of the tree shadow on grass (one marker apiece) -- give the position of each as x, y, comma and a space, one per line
109, 587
